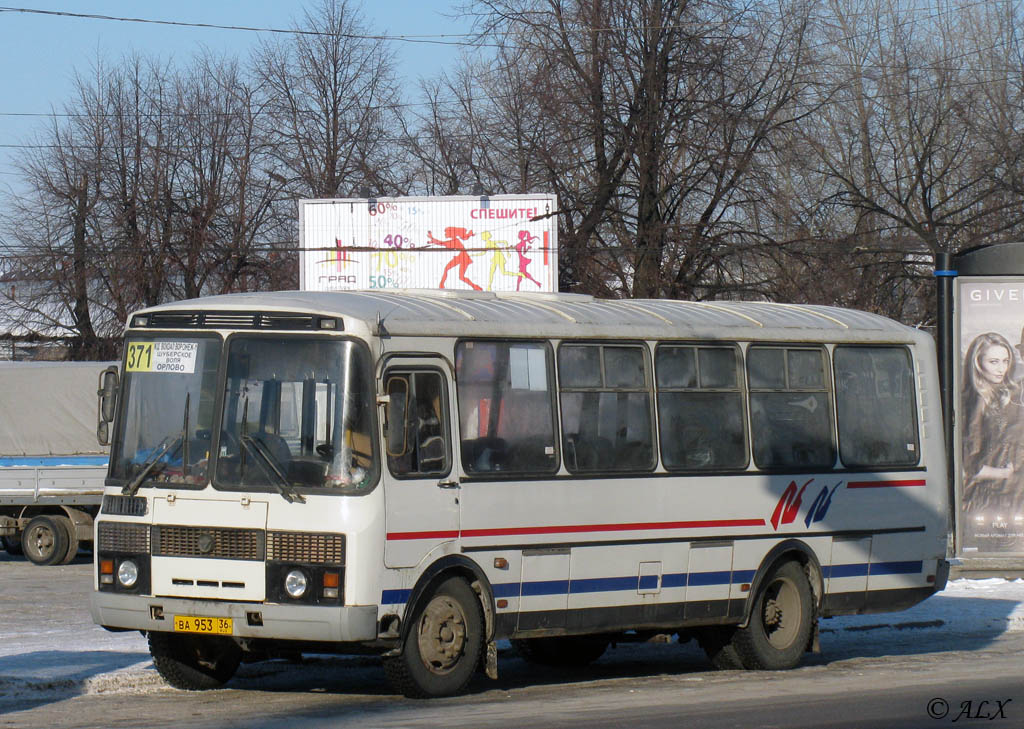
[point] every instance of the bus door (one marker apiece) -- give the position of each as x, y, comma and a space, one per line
421, 489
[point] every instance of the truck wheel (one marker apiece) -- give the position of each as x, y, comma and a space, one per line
443, 646
194, 662
12, 545
563, 651
45, 540
780, 621
72, 534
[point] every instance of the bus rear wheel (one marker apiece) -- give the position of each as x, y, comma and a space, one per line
194, 662
443, 646
563, 651
781, 621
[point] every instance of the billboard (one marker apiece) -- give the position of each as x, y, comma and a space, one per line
989, 426
482, 243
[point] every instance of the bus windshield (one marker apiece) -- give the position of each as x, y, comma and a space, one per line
167, 418
297, 414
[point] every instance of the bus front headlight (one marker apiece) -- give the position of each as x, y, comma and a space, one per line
128, 573
295, 583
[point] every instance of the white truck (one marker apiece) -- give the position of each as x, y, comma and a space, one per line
52, 468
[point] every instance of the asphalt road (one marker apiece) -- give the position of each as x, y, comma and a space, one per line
974, 680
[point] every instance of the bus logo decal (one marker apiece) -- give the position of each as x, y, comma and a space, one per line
819, 507
789, 505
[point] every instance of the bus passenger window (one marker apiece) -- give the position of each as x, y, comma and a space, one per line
506, 407
700, 407
790, 412
606, 407
424, 449
876, 406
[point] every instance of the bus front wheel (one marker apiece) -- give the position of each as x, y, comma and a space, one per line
194, 662
443, 646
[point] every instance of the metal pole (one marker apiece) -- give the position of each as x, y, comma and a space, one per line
944, 275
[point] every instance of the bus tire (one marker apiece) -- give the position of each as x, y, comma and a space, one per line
781, 621
717, 643
12, 545
443, 645
45, 540
562, 651
194, 662
71, 551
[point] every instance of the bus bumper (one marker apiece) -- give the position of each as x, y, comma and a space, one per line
249, 620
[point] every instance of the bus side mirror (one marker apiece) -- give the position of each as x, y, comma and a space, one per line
395, 412
107, 395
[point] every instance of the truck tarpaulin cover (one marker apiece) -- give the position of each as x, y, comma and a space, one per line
496, 243
49, 408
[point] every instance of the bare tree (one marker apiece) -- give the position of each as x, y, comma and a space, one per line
911, 141
330, 96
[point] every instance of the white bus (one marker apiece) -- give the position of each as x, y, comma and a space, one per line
424, 473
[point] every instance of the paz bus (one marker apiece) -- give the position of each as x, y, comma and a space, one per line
420, 474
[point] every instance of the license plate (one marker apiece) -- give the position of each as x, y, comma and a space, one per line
200, 624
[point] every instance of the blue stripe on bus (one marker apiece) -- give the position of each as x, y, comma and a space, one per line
674, 579
668, 581
394, 597
506, 589
845, 570
606, 584
545, 587
897, 568
49, 461
743, 576
700, 579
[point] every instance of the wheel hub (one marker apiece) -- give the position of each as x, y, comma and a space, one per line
781, 606
442, 634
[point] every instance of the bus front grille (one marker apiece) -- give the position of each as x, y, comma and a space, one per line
326, 549
123, 538
215, 543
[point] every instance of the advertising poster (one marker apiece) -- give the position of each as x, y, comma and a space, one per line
990, 416
497, 243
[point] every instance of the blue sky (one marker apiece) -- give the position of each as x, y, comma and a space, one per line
39, 54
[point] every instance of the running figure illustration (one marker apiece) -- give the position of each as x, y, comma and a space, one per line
521, 248
456, 236
499, 261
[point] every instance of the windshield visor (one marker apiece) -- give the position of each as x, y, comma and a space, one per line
297, 415
170, 385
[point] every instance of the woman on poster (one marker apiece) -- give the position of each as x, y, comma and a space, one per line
993, 426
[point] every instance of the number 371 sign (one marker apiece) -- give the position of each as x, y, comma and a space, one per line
166, 357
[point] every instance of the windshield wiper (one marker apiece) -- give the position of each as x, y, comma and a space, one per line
165, 445
281, 481
150, 463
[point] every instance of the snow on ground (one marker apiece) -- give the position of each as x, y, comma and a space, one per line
62, 654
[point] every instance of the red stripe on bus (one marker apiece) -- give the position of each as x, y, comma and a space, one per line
577, 529
422, 535
883, 484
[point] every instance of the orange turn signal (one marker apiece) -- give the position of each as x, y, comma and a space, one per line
331, 579
106, 566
